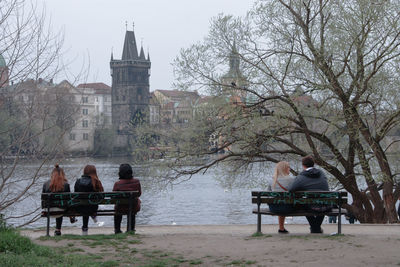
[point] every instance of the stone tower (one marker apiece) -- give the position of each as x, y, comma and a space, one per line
130, 89
234, 79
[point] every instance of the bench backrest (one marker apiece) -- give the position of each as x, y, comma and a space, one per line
65, 200
300, 198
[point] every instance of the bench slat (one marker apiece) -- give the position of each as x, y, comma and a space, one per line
299, 194
333, 212
66, 200
89, 195
298, 201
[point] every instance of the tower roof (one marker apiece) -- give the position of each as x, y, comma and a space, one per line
130, 48
234, 65
142, 56
2, 62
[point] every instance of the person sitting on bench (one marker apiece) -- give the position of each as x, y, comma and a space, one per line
57, 183
89, 182
126, 183
282, 181
311, 179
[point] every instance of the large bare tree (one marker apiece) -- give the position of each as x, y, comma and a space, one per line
323, 79
34, 113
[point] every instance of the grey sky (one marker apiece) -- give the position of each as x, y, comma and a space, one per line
95, 27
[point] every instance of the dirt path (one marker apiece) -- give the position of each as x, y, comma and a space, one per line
234, 245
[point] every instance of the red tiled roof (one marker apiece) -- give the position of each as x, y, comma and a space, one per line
177, 93
96, 86
99, 88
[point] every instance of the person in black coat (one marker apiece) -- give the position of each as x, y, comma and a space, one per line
89, 182
311, 179
57, 184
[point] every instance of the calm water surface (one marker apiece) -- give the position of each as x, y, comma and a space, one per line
199, 200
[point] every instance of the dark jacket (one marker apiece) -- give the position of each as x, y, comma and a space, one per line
84, 184
310, 180
46, 188
132, 184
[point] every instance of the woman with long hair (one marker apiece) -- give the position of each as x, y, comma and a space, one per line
57, 184
281, 181
89, 182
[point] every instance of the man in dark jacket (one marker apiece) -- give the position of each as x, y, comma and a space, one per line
126, 183
311, 179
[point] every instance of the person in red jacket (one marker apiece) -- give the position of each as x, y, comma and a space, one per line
126, 183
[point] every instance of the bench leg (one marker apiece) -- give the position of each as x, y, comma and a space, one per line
130, 212
48, 222
258, 223
339, 225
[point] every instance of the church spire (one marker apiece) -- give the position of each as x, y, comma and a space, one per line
130, 48
142, 56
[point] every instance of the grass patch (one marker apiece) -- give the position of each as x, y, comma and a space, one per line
134, 241
242, 262
257, 234
16, 250
100, 237
195, 262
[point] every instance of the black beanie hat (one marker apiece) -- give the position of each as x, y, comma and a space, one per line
125, 171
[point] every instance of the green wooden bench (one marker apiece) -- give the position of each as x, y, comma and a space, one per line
334, 199
69, 201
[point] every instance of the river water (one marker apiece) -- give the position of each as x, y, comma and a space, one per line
203, 199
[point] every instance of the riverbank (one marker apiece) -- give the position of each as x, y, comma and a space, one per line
221, 245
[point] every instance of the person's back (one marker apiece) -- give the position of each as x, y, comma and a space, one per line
84, 184
89, 182
126, 182
311, 179
57, 184
283, 184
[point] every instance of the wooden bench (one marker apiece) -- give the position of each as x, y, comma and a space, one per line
69, 201
332, 198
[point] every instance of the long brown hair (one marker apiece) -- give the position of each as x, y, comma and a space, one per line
282, 168
57, 179
90, 170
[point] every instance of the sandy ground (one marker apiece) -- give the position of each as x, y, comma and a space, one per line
361, 245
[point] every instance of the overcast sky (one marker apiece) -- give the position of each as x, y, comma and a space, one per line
95, 27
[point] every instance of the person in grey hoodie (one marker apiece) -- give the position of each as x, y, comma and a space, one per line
310, 179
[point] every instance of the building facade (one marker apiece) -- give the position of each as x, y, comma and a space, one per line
176, 107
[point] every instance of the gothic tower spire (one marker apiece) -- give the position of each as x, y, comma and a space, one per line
130, 48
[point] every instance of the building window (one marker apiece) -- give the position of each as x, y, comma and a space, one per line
85, 136
123, 98
71, 136
85, 111
85, 99
85, 124
30, 98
